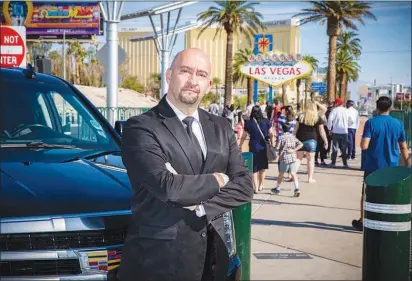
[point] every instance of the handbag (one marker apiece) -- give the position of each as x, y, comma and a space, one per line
270, 152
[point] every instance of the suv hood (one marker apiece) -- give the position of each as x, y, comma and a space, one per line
43, 188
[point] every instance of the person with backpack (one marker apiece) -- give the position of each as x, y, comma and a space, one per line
287, 146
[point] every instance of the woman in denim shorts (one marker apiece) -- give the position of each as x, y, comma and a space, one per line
306, 131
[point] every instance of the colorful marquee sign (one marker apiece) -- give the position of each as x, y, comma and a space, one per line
276, 69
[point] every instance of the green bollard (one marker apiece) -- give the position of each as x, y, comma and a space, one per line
387, 225
242, 217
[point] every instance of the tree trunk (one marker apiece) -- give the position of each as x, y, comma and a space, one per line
331, 84
217, 95
338, 83
284, 99
249, 83
229, 69
78, 82
344, 87
308, 82
298, 83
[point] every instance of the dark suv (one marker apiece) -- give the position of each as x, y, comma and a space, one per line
65, 195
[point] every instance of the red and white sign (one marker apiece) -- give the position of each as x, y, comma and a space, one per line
13, 46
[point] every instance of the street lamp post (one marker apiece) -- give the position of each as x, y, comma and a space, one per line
165, 38
111, 15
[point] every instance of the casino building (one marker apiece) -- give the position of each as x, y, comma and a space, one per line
286, 39
142, 57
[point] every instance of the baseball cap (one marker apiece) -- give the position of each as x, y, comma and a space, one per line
339, 101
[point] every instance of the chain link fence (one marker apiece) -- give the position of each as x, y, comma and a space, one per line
123, 113
405, 116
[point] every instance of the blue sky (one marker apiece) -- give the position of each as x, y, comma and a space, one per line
386, 42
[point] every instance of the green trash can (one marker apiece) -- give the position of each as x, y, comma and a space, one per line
387, 225
242, 217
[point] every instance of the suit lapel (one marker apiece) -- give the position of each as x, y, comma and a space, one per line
175, 126
212, 143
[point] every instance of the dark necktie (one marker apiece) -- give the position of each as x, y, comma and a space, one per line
189, 121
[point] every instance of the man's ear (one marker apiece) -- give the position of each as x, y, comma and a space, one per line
168, 75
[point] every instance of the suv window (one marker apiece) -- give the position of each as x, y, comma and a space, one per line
53, 114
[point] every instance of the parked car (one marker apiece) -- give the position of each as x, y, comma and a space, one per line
65, 195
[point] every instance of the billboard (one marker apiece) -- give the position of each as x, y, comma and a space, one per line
79, 20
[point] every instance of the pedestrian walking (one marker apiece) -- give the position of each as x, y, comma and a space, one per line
186, 171
354, 115
338, 124
306, 131
240, 126
321, 151
214, 108
330, 107
259, 130
383, 141
287, 116
287, 146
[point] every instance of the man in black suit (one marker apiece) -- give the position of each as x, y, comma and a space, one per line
186, 173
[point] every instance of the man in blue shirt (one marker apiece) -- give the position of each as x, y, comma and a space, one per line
383, 141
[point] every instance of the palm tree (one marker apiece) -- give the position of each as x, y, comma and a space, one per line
347, 70
77, 50
235, 17
154, 84
216, 81
336, 14
57, 62
313, 62
241, 58
348, 41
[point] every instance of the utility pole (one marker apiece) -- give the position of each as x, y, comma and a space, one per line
111, 15
165, 36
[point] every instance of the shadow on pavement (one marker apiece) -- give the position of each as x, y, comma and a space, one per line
337, 174
274, 202
307, 224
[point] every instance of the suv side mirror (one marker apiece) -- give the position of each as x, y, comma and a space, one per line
118, 126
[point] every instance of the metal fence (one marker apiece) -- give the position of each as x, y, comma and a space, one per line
123, 113
405, 116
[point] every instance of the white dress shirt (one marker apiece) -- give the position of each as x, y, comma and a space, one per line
196, 126
354, 115
198, 132
339, 120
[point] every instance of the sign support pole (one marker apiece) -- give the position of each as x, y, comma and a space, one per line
111, 16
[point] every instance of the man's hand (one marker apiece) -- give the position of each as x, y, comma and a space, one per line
325, 145
219, 179
291, 150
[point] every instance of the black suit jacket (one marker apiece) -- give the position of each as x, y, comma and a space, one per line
166, 241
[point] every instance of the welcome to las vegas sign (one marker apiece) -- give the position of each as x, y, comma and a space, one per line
274, 69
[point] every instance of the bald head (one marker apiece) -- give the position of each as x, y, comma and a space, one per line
190, 53
188, 78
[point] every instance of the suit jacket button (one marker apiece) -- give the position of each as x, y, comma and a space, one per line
203, 234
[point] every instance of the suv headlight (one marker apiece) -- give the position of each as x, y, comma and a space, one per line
230, 233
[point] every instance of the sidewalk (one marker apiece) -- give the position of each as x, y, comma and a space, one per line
315, 227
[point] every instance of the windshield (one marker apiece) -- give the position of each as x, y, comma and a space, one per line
52, 114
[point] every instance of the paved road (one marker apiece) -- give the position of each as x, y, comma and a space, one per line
317, 225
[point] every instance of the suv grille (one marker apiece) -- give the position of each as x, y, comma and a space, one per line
62, 240
40, 267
